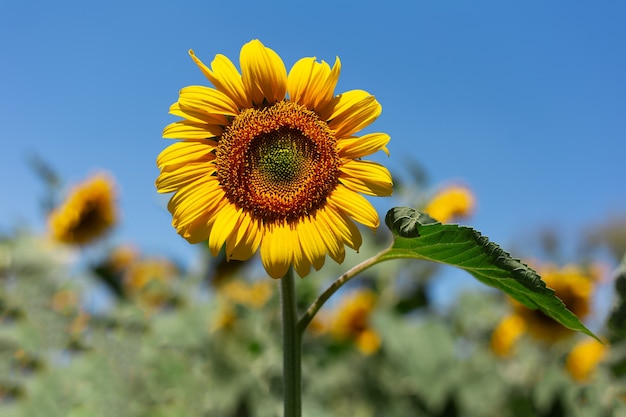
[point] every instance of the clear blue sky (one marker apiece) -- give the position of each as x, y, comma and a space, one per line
523, 101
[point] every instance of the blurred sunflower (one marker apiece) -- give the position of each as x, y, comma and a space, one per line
121, 257
65, 302
87, 213
572, 284
148, 282
450, 203
253, 295
584, 358
351, 321
235, 293
270, 160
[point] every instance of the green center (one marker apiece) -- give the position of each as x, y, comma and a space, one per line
278, 163
281, 156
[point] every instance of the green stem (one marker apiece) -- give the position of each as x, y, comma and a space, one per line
292, 347
347, 276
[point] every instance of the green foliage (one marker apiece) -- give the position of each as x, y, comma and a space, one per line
617, 320
420, 237
183, 358
616, 323
75, 341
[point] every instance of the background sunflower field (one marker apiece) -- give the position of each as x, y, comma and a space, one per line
105, 330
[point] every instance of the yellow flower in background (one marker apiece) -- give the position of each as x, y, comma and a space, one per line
253, 295
65, 302
351, 321
270, 160
451, 203
87, 214
506, 334
584, 358
149, 281
79, 324
225, 318
572, 284
121, 257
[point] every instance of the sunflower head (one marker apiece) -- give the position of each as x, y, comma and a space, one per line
351, 321
584, 358
271, 160
572, 284
252, 295
87, 214
451, 203
506, 334
149, 282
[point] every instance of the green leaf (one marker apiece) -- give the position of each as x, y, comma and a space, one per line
420, 237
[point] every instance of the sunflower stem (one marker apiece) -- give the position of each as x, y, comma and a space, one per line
292, 346
345, 277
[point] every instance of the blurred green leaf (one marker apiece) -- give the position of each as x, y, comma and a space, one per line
617, 319
616, 324
418, 236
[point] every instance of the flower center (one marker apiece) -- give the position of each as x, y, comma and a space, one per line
280, 157
279, 163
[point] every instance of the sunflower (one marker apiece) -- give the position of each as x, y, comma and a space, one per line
574, 285
351, 321
584, 359
236, 293
252, 295
450, 203
149, 282
87, 214
507, 333
270, 160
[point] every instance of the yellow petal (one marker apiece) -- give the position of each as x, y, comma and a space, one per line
186, 129
226, 222
299, 79
198, 218
198, 116
198, 231
170, 181
331, 240
244, 242
355, 206
264, 73
180, 153
311, 243
206, 100
343, 227
277, 250
352, 111
239, 234
312, 84
326, 83
352, 148
201, 196
301, 264
366, 177
225, 77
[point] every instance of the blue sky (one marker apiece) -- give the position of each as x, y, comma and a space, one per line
525, 102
